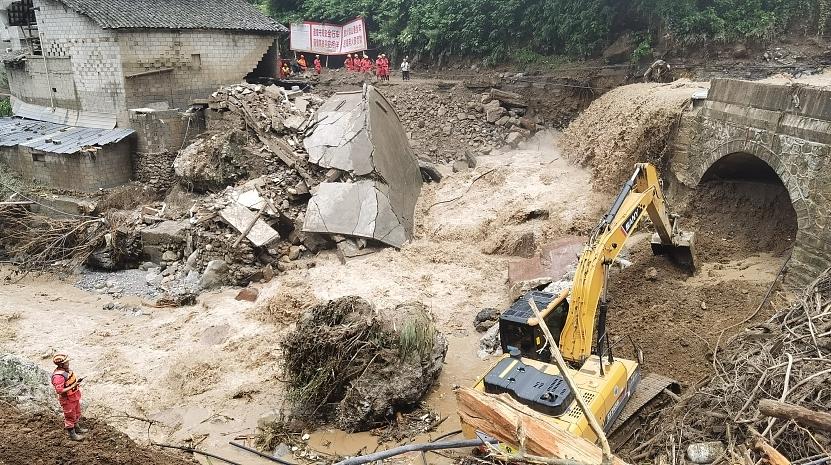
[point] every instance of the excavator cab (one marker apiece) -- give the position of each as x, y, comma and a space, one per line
519, 329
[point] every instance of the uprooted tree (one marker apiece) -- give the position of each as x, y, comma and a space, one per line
349, 363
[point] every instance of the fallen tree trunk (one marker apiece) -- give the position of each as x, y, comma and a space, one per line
802, 415
503, 418
511, 99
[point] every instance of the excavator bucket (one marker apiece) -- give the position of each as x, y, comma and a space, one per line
681, 251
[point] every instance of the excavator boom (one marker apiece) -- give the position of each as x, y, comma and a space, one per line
640, 196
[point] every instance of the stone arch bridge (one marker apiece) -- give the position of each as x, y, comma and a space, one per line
786, 126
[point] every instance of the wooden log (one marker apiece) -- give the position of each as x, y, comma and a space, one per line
773, 456
505, 419
805, 417
511, 99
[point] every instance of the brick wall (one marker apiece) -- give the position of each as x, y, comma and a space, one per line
160, 136
108, 167
186, 65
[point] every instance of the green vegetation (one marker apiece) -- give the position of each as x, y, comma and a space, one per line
5, 107
523, 30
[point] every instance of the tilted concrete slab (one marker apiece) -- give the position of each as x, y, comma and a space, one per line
360, 209
360, 132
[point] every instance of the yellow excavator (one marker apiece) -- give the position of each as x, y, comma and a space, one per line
577, 320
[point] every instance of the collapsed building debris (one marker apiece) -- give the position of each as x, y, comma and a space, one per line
359, 133
349, 363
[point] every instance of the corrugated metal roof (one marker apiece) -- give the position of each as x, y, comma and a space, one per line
87, 119
56, 138
14, 131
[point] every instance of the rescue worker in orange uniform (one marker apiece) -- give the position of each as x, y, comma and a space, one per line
366, 64
302, 62
348, 63
285, 71
69, 396
317, 64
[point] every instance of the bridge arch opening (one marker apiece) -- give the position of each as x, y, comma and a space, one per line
743, 209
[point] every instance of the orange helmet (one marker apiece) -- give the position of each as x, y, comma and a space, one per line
60, 359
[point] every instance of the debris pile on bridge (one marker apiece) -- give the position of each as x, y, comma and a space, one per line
759, 374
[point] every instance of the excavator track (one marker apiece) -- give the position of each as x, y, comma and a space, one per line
650, 386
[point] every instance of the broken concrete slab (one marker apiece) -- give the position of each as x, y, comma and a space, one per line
361, 209
166, 232
241, 217
294, 122
360, 132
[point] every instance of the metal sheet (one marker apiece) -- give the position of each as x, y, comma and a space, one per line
56, 138
88, 119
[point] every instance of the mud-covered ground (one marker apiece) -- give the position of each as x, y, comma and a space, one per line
744, 232
39, 439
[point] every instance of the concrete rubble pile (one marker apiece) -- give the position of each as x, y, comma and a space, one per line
463, 121
259, 182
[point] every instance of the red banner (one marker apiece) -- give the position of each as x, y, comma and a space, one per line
329, 39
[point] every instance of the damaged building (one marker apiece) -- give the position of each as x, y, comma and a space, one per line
100, 64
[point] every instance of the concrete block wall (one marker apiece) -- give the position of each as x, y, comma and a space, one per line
94, 54
160, 136
86, 172
190, 64
31, 83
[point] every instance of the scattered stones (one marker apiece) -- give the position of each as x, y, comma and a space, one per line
215, 275
486, 318
248, 294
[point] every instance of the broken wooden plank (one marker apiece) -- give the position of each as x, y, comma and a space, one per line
805, 417
773, 456
250, 226
503, 418
240, 217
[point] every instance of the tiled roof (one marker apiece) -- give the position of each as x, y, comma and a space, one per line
175, 14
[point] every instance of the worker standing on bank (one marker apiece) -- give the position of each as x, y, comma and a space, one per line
68, 388
405, 69
317, 64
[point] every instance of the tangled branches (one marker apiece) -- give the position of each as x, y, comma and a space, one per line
788, 358
37, 243
347, 363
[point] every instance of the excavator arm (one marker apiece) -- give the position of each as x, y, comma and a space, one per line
639, 197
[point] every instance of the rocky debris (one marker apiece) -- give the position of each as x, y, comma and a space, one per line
489, 343
248, 294
25, 384
330, 361
215, 275
459, 120
486, 318
266, 138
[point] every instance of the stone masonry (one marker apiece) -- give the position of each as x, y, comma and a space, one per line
786, 126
